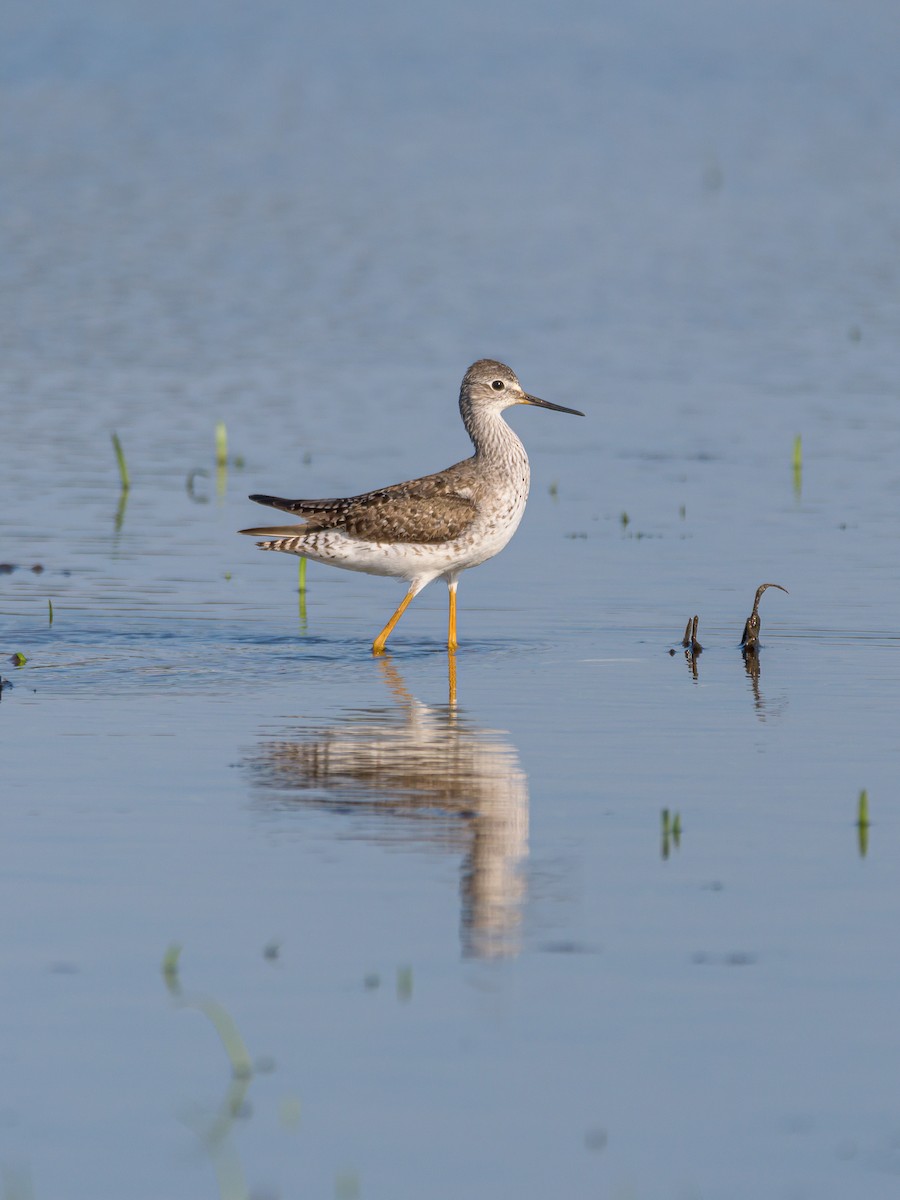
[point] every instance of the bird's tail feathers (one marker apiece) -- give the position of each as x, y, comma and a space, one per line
277, 502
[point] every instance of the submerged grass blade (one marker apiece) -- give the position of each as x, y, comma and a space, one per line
120, 459
171, 960
235, 1048
404, 984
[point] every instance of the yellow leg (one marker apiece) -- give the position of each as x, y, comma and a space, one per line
452, 643
378, 644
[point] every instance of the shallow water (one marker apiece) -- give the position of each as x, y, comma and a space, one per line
461, 952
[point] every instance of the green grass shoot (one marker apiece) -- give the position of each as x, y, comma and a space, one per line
862, 818
301, 590
221, 444
862, 822
120, 459
797, 462
50, 609
221, 460
670, 831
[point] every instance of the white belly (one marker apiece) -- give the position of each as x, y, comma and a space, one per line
487, 536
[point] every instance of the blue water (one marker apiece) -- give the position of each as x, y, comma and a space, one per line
453, 939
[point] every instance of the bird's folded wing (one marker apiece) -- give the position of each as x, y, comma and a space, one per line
419, 519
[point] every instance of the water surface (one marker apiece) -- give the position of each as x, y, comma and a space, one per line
445, 927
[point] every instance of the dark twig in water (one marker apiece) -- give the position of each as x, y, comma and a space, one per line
750, 636
689, 641
692, 648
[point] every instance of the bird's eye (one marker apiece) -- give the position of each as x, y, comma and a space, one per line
498, 385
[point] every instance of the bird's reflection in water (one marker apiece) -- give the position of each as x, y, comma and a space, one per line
421, 773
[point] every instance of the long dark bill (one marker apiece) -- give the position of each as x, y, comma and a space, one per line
539, 403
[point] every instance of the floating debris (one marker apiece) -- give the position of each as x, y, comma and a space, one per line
18, 659
750, 636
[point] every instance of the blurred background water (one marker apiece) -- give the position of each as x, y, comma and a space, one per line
461, 951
